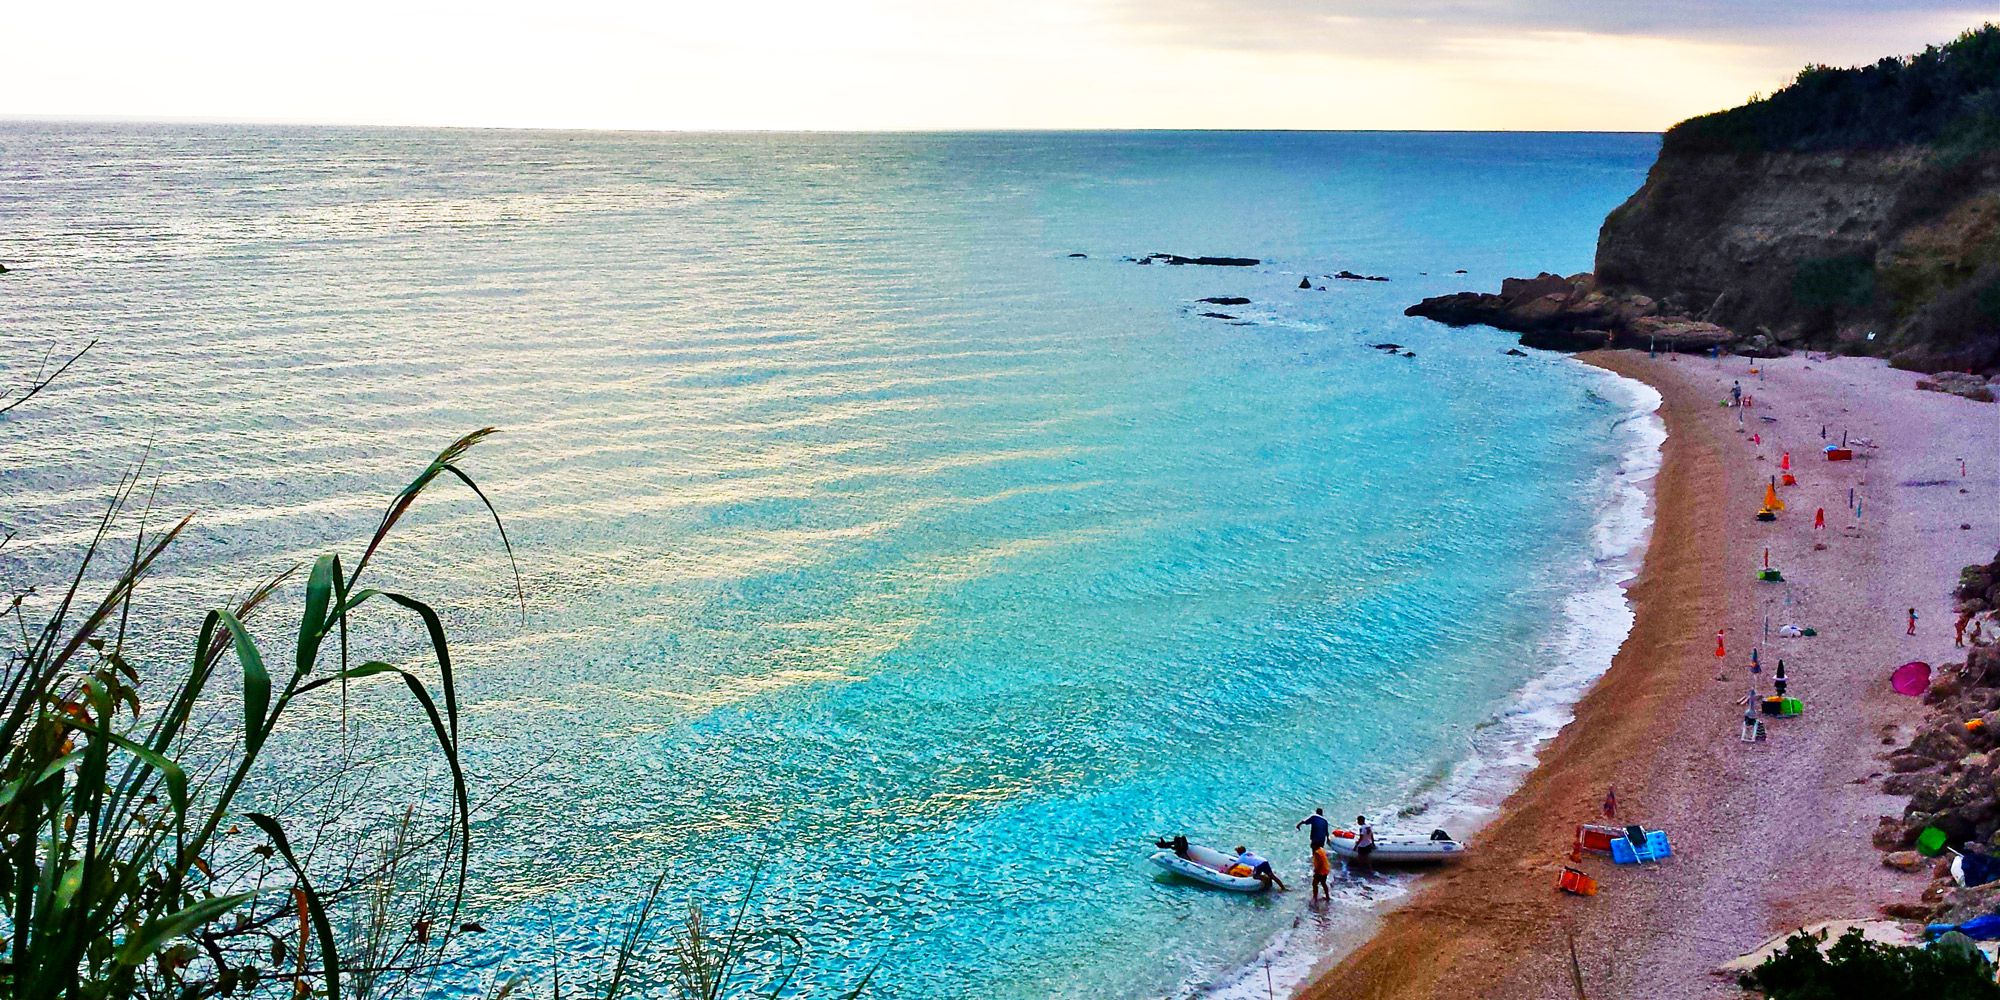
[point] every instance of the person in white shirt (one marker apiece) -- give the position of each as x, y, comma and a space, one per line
1364, 843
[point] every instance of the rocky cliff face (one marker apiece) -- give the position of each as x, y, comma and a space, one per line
1821, 249
1855, 210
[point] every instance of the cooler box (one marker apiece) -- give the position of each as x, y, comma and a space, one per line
1773, 706
1840, 454
1791, 707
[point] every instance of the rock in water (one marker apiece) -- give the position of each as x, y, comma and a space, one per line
1085, 255
1351, 276
1174, 258
1305, 283
1226, 300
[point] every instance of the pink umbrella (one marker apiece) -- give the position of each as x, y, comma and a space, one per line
1912, 678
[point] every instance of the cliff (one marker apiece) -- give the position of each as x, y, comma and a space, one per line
1821, 249
1856, 210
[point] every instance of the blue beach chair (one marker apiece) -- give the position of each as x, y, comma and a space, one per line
1639, 846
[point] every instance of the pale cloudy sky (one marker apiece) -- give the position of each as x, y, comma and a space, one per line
904, 64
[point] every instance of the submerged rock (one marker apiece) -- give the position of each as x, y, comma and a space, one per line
1084, 255
1218, 316
1226, 300
1351, 276
1305, 283
1174, 258
1515, 352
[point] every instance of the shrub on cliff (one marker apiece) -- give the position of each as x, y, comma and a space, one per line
1947, 95
1861, 969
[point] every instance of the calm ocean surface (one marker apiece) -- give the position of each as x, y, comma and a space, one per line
870, 539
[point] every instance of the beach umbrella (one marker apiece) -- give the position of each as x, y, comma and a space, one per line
1912, 678
1771, 497
1785, 463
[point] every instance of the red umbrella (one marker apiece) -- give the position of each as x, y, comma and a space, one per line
1912, 678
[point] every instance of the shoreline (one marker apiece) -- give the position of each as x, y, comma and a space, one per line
1470, 792
1658, 725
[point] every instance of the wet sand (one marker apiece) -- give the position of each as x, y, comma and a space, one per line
1768, 836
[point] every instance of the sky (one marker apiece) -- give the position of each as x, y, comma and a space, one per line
940, 64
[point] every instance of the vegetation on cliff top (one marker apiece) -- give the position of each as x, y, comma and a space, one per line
1947, 95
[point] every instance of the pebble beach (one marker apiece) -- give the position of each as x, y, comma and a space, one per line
1768, 836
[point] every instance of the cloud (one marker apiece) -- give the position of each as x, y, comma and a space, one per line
1322, 24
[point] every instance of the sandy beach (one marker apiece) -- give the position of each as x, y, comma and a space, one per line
1768, 836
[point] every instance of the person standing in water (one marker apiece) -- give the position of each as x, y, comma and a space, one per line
1315, 837
1322, 867
1364, 843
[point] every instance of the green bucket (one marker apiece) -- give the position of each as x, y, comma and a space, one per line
1930, 842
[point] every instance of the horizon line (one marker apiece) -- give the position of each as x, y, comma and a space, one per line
114, 119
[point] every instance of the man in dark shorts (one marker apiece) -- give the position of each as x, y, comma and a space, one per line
1317, 835
1364, 843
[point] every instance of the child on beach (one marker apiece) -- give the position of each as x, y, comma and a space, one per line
1913, 623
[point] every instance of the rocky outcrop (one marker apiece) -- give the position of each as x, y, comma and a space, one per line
1226, 300
1973, 387
1573, 314
1351, 276
1950, 770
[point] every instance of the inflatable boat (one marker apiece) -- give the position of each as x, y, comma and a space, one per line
1393, 849
1209, 867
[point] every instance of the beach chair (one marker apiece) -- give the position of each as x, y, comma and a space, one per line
1639, 846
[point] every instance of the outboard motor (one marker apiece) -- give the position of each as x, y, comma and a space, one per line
1440, 835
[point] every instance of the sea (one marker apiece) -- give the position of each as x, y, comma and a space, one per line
900, 553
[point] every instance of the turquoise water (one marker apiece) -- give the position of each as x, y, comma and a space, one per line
871, 539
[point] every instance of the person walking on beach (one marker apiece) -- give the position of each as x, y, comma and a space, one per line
1364, 844
1913, 623
1736, 394
1315, 837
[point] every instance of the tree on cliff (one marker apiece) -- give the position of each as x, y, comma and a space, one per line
1946, 94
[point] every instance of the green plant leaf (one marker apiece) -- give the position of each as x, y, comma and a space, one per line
176, 779
312, 624
256, 685
329, 949
149, 939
